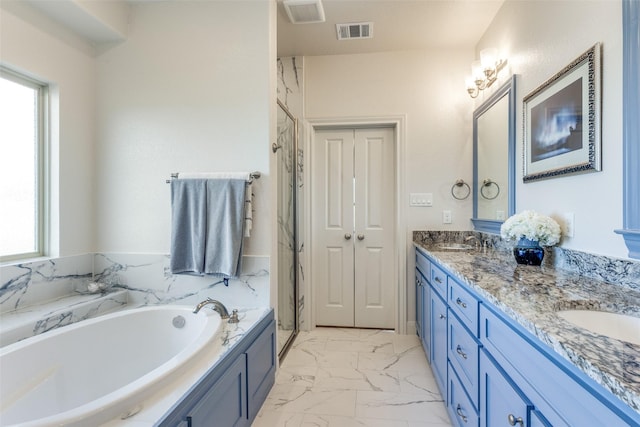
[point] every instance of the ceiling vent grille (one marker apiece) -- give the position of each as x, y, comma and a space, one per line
304, 11
360, 30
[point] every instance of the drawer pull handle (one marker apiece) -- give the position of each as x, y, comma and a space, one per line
513, 420
442, 316
464, 356
437, 279
461, 415
461, 303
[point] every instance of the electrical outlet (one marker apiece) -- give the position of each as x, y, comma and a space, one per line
446, 217
568, 228
500, 215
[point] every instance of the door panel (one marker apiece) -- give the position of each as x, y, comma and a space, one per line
353, 227
332, 207
374, 222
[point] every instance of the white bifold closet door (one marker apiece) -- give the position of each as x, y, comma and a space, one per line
353, 205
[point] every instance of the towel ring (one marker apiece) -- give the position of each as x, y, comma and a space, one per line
487, 183
460, 184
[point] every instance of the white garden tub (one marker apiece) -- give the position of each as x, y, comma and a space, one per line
92, 371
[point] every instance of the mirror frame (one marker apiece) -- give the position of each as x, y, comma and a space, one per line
631, 126
507, 89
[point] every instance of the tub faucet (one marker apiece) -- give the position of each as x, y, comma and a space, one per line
220, 308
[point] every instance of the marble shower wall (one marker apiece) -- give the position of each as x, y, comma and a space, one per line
290, 93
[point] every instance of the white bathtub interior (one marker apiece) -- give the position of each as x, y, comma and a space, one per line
76, 372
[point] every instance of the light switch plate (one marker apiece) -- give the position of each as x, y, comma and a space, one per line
421, 199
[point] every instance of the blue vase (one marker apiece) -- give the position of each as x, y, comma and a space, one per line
528, 252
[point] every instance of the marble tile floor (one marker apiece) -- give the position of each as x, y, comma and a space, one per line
338, 377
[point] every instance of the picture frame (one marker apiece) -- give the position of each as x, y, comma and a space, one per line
562, 131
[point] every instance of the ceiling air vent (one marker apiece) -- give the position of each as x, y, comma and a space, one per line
304, 11
360, 30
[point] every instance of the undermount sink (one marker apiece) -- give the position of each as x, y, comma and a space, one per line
618, 326
454, 246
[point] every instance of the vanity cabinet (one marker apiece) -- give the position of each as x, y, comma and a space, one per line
423, 321
438, 315
233, 391
494, 372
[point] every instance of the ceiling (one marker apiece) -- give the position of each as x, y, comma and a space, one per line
397, 25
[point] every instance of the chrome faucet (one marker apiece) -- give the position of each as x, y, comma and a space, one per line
477, 244
220, 308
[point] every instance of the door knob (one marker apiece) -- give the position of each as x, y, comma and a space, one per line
347, 236
360, 236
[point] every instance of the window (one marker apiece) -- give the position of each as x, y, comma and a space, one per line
22, 143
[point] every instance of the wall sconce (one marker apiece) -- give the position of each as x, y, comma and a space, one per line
484, 71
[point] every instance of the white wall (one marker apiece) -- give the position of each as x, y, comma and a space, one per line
427, 88
33, 44
191, 90
540, 39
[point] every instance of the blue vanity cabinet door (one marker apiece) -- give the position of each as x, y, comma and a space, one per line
500, 397
461, 411
438, 312
225, 404
536, 419
261, 367
463, 351
423, 321
419, 304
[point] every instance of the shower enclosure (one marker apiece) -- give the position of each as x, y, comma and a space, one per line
286, 149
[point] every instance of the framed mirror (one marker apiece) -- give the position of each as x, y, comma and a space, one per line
494, 163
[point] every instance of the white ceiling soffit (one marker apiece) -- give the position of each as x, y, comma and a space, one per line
304, 11
97, 21
399, 24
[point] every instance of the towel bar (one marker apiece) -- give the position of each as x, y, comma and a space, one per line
252, 176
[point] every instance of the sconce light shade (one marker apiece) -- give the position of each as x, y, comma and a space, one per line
484, 72
488, 58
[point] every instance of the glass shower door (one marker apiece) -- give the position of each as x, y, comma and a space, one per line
286, 151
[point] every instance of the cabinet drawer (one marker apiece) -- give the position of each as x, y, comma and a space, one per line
439, 281
464, 304
463, 351
423, 264
461, 410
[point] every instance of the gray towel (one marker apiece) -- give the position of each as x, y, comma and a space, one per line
207, 226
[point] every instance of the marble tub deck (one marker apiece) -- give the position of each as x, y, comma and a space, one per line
335, 377
532, 296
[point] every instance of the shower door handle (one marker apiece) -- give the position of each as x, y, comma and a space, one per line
347, 236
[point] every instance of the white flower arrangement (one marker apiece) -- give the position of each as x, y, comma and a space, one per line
533, 226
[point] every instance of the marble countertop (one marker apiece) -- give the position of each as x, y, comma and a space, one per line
531, 296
